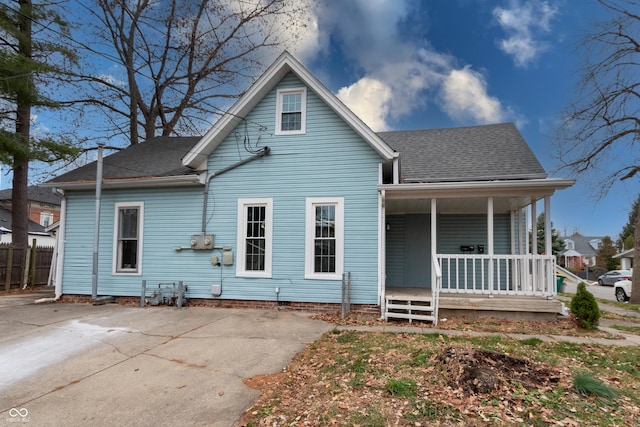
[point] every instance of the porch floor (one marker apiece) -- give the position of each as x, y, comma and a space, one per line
483, 303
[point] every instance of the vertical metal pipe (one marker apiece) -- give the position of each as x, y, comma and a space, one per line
96, 230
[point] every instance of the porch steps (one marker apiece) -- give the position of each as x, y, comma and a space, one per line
411, 305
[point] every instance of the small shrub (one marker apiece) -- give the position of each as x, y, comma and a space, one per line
587, 384
585, 308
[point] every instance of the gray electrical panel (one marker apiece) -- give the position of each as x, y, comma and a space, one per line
201, 242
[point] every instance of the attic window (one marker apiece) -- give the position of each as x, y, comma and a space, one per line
291, 111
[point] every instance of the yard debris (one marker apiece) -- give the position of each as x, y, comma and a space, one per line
344, 379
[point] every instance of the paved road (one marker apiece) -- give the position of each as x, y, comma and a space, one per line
602, 292
76, 364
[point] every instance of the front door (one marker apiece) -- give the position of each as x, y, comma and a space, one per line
408, 251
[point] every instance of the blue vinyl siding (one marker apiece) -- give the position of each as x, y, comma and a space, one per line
457, 230
452, 232
330, 160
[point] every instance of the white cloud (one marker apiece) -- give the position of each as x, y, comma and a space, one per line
369, 99
464, 95
397, 75
523, 25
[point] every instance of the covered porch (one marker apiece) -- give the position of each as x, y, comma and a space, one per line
466, 246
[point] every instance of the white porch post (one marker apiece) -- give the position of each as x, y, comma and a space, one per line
382, 239
547, 225
534, 228
525, 236
434, 239
490, 243
512, 221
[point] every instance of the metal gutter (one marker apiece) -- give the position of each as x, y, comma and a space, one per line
158, 181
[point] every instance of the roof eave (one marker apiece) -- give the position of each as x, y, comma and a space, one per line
268, 80
539, 187
146, 182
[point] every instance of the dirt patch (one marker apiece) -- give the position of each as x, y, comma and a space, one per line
264, 382
482, 371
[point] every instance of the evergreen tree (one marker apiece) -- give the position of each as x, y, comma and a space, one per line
604, 256
31, 53
557, 243
627, 234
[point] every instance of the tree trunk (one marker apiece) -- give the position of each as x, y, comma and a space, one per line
635, 285
19, 201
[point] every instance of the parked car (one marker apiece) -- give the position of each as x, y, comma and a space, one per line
622, 290
611, 277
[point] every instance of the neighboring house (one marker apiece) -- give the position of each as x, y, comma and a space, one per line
290, 190
626, 259
44, 204
580, 251
36, 231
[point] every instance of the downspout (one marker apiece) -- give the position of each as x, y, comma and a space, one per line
59, 252
265, 151
96, 231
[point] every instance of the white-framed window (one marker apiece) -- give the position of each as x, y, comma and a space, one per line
255, 228
127, 238
324, 241
291, 111
46, 219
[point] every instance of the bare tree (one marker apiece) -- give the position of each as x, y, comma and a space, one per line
601, 130
181, 61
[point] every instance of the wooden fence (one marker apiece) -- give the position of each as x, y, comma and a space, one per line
12, 266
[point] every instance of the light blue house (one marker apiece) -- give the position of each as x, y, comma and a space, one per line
290, 191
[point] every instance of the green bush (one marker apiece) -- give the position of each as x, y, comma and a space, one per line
585, 308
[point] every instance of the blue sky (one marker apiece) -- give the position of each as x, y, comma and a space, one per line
415, 64
403, 64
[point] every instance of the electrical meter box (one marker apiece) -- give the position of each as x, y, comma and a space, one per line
201, 242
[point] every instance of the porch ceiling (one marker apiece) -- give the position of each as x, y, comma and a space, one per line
452, 206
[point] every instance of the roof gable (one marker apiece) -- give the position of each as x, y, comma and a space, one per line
473, 153
286, 63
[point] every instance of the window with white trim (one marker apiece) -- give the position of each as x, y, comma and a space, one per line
46, 219
254, 237
324, 242
127, 238
291, 111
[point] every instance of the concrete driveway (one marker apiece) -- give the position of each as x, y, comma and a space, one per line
78, 364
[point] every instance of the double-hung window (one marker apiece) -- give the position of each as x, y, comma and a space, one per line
291, 111
254, 237
46, 219
324, 243
127, 239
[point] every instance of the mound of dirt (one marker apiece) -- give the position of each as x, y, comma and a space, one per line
482, 371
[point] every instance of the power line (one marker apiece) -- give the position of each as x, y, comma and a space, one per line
105, 55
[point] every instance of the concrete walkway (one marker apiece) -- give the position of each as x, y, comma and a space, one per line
78, 364
621, 338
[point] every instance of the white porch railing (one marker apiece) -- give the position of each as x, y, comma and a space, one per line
498, 274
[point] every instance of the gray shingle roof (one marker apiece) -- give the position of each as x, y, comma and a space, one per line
6, 222
473, 153
36, 194
157, 157
582, 244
